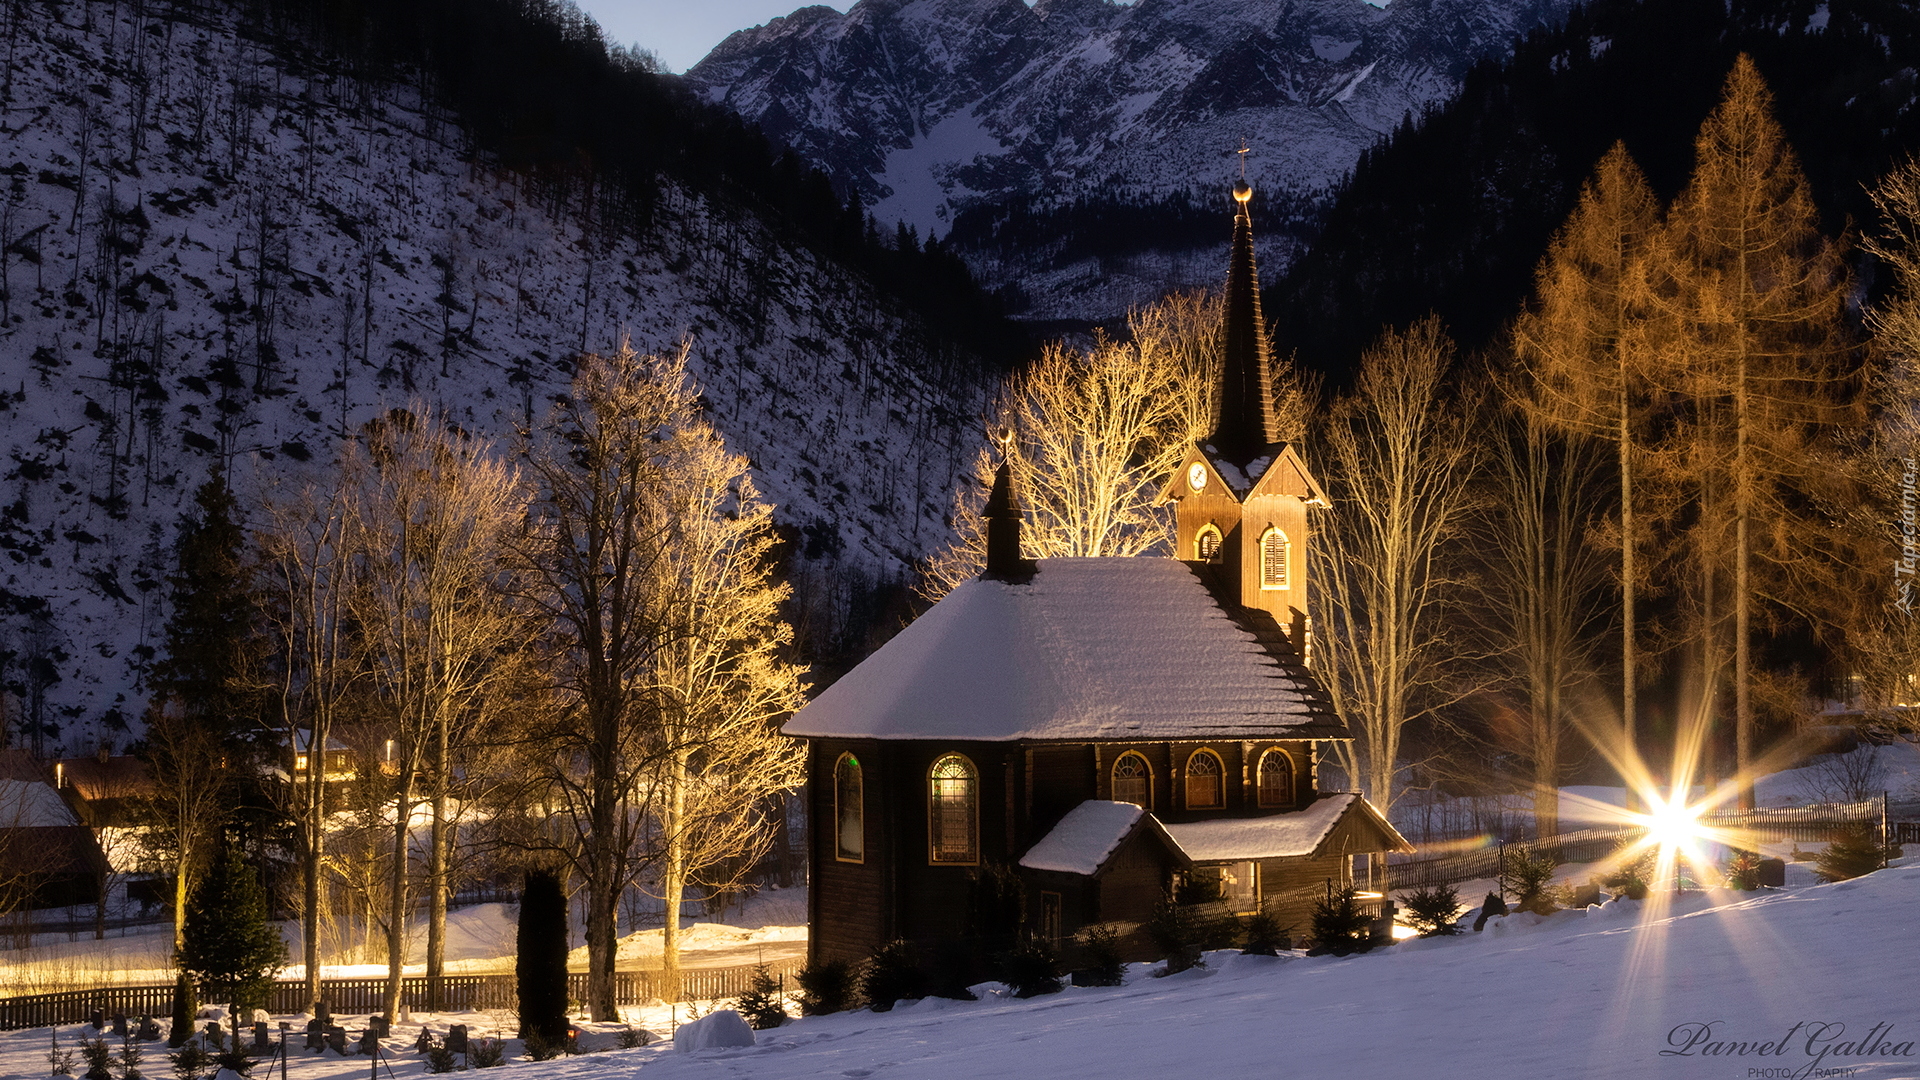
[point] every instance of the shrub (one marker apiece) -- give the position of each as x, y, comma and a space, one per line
1743, 871
953, 970
1101, 947
60, 1061
1851, 854
1031, 970
192, 1061
1431, 910
761, 1004
99, 1059
892, 974
130, 1055
540, 969
541, 1048
1339, 926
184, 1007
1530, 878
826, 987
1175, 930
630, 1038
1265, 935
1632, 878
237, 1060
485, 1053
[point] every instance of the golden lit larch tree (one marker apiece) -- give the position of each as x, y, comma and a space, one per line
1745, 298
1584, 359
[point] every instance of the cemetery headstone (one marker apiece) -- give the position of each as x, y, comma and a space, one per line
1585, 895
261, 1040
321, 1014
216, 1035
369, 1042
377, 1023
316, 1034
337, 1039
120, 1025
457, 1039
98, 1020
1772, 874
1493, 906
424, 1043
149, 1029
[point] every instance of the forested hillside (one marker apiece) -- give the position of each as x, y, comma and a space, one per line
1453, 213
231, 233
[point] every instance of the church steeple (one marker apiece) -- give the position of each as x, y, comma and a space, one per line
1244, 424
1003, 524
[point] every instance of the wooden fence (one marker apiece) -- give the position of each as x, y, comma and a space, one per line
350, 997
1810, 824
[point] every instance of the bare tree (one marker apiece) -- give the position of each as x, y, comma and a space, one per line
433, 520
1397, 454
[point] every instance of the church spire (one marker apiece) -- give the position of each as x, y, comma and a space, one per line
1003, 523
1243, 402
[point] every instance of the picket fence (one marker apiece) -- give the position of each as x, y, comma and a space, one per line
349, 997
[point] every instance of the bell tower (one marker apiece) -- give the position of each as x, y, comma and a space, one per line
1241, 495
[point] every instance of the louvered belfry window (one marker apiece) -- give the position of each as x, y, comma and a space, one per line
1273, 559
1207, 544
953, 810
1203, 780
1133, 780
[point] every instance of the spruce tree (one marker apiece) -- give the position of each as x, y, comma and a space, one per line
230, 949
212, 650
540, 964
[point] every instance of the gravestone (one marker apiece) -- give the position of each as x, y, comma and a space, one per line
1493, 906
425, 1042
149, 1029
377, 1024
316, 1034
321, 1014
1772, 874
216, 1035
1585, 895
337, 1039
369, 1042
98, 1020
457, 1039
261, 1040
120, 1025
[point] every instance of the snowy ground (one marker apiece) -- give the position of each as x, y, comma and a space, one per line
1615, 990
769, 927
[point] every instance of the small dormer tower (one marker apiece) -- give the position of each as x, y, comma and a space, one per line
1241, 494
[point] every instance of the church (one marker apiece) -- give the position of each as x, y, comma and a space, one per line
1106, 728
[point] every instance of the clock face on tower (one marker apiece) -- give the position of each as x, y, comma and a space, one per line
1196, 476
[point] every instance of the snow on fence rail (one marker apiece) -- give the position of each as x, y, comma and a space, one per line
1818, 823
347, 997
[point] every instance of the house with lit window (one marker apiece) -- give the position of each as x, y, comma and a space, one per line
1102, 728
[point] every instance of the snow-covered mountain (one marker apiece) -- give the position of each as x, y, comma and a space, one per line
928, 107
219, 245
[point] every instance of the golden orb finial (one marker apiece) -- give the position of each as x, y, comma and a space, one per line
1242, 191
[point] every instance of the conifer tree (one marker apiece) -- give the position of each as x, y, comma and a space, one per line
212, 651
540, 958
1746, 297
231, 949
1585, 360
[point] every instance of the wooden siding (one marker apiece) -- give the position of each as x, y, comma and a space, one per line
848, 910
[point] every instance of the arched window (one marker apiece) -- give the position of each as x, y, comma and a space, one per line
849, 809
1273, 559
1133, 780
1203, 780
1276, 778
1207, 544
953, 810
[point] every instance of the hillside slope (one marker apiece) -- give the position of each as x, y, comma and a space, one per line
221, 246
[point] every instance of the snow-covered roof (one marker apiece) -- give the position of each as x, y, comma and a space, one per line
32, 804
1116, 648
1275, 836
1084, 839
